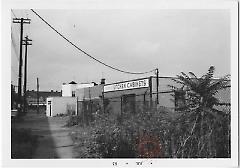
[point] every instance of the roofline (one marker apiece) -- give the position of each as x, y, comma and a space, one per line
44, 91
161, 77
168, 77
61, 97
177, 77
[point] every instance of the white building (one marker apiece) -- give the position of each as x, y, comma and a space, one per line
67, 104
61, 105
69, 90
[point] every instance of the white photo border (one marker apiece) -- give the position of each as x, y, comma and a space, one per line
7, 5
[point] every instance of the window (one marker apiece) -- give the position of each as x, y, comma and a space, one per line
73, 93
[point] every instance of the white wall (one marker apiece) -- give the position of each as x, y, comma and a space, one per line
61, 105
84, 85
48, 106
67, 89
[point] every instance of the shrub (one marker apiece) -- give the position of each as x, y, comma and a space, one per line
203, 130
74, 120
127, 135
152, 133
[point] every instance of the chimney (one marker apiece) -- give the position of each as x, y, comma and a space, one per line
102, 81
94, 83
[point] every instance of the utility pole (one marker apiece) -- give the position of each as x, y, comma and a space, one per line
21, 21
37, 96
157, 74
26, 43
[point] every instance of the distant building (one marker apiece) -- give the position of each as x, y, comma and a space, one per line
32, 97
69, 90
67, 103
61, 105
125, 96
14, 97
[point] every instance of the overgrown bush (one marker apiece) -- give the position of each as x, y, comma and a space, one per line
110, 139
196, 130
124, 136
169, 134
203, 130
74, 120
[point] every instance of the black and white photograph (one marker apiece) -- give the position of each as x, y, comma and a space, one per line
136, 84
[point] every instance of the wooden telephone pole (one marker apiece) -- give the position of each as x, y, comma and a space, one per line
37, 96
157, 74
21, 21
26, 43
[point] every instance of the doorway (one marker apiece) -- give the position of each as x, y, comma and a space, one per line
50, 108
129, 103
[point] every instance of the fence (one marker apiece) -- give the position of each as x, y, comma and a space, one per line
132, 103
114, 106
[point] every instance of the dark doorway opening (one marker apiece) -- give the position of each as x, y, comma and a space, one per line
50, 108
129, 103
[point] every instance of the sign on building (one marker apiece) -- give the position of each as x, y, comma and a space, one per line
142, 83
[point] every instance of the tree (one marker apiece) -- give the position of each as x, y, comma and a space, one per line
203, 130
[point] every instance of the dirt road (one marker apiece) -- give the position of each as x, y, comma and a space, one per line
54, 140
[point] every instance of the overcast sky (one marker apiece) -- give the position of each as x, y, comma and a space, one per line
132, 40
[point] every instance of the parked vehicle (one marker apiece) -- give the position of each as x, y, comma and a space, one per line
14, 113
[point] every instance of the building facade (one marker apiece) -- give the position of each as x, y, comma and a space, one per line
134, 95
67, 102
69, 90
61, 106
32, 97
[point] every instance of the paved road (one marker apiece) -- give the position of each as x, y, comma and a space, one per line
54, 140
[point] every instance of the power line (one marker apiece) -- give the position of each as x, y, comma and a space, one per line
13, 13
101, 62
15, 17
15, 31
13, 38
14, 71
27, 32
26, 13
15, 47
